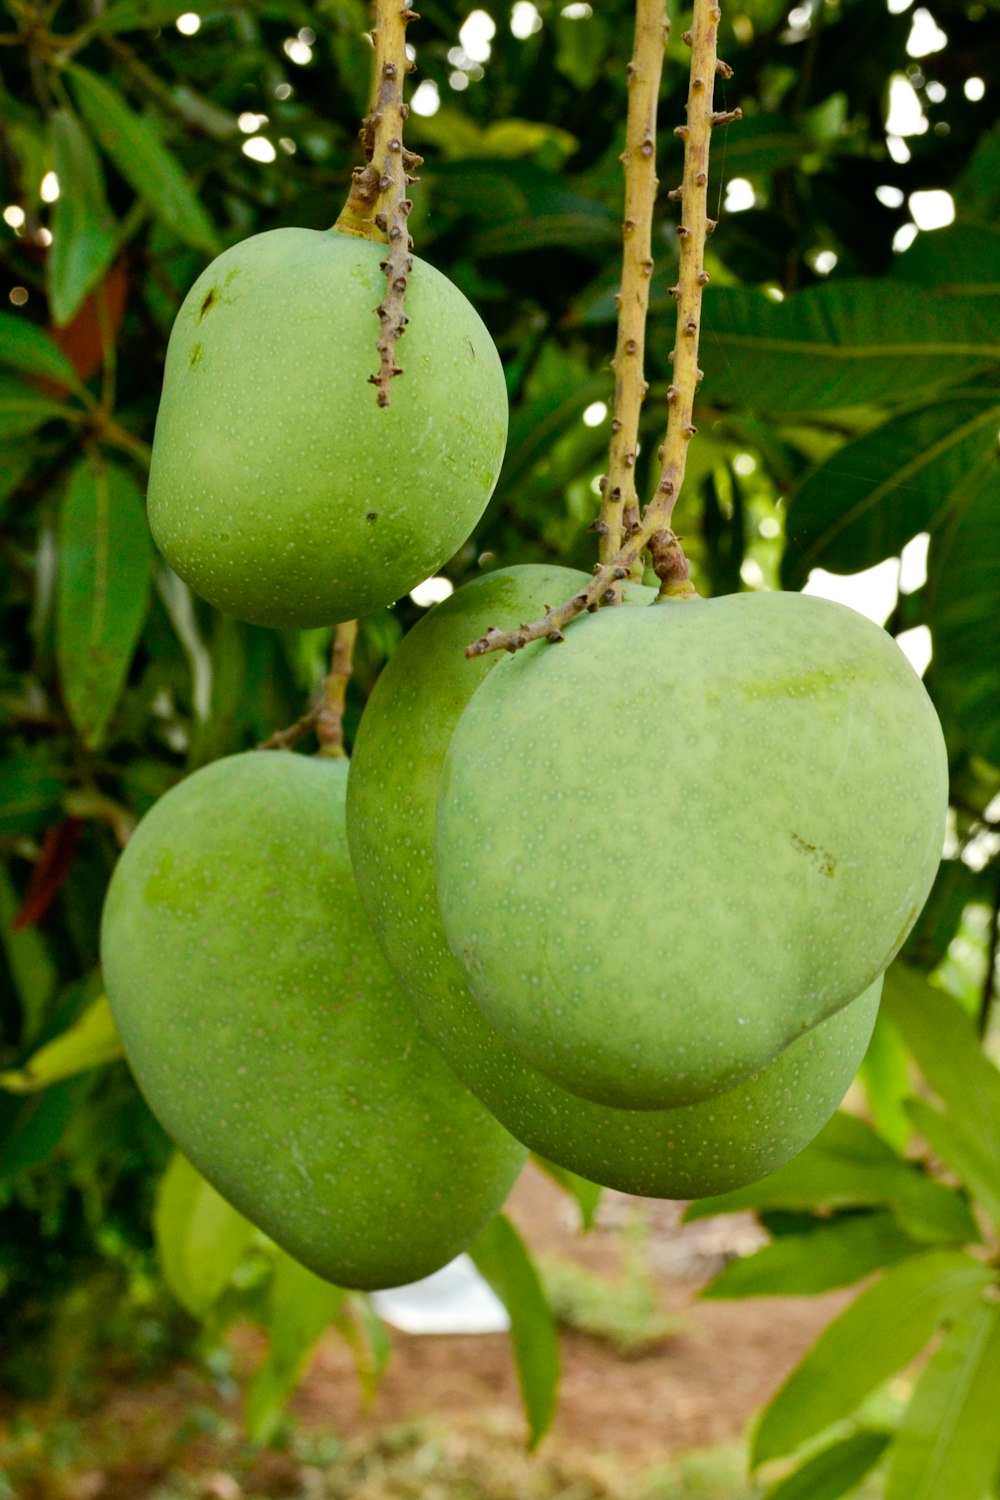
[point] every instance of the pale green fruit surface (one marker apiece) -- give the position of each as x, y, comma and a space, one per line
271, 1040
279, 489
392, 790
668, 847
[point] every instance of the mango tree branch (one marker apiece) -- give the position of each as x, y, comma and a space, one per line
377, 207
620, 505
693, 230
330, 713
326, 716
654, 529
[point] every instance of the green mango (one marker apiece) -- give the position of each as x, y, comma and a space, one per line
279, 489
726, 817
692, 1151
270, 1039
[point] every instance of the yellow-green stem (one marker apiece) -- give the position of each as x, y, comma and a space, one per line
620, 505
695, 226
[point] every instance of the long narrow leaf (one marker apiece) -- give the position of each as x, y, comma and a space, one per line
849, 1165
105, 568
962, 607
943, 1040
503, 1261
875, 493
136, 150
803, 1265
200, 1238
301, 1307
881, 1332
843, 343
834, 1471
948, 1447
91, 1042
966, 1154
27, 348
84, 233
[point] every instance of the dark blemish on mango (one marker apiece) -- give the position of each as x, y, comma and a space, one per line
208, 301
195, 357
372, 515
821, 858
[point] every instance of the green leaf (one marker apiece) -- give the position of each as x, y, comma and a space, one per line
31, 968
955, 885
503, 1261
586, 1195
301, 1306
23, 409
965, 1152
962, 608
200, 1238
91, 1042
949, 1443
15, 464
105, 568
943, 1040
31, 1127
977, 188
885, 1075
136, 150
27, 348
873, 494
803, 1265
30, 794
535, 425
834, 1471
135, 15
581, 48
961, 258
881, 1332
849, 1165
84, 233
842, 343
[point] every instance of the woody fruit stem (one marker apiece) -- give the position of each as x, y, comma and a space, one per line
654, 528
377, 206
620, 503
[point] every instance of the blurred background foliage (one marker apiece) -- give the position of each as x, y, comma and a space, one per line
849, 418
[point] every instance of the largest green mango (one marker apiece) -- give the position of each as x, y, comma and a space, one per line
271, 1040
727, 814
400, 748
278, 488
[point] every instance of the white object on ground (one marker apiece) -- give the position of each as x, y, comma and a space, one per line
455, 1299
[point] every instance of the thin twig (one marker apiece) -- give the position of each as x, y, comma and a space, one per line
377, 207
620, 503
330, 714
655, 530
325, 718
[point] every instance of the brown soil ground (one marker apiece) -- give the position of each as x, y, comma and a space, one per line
620, 1419
696, 1388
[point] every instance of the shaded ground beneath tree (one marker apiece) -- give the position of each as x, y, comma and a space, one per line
448, 1407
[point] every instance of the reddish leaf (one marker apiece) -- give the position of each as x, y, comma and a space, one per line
51, 868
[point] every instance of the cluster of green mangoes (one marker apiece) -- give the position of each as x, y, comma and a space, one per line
626, 901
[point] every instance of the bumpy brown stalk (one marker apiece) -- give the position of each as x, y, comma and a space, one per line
620, 504
654, 529
330, 713
377, 207
326, 716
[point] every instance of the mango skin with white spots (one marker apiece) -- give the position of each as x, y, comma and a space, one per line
692, 1151
279, 489
671, 846
270, 1039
